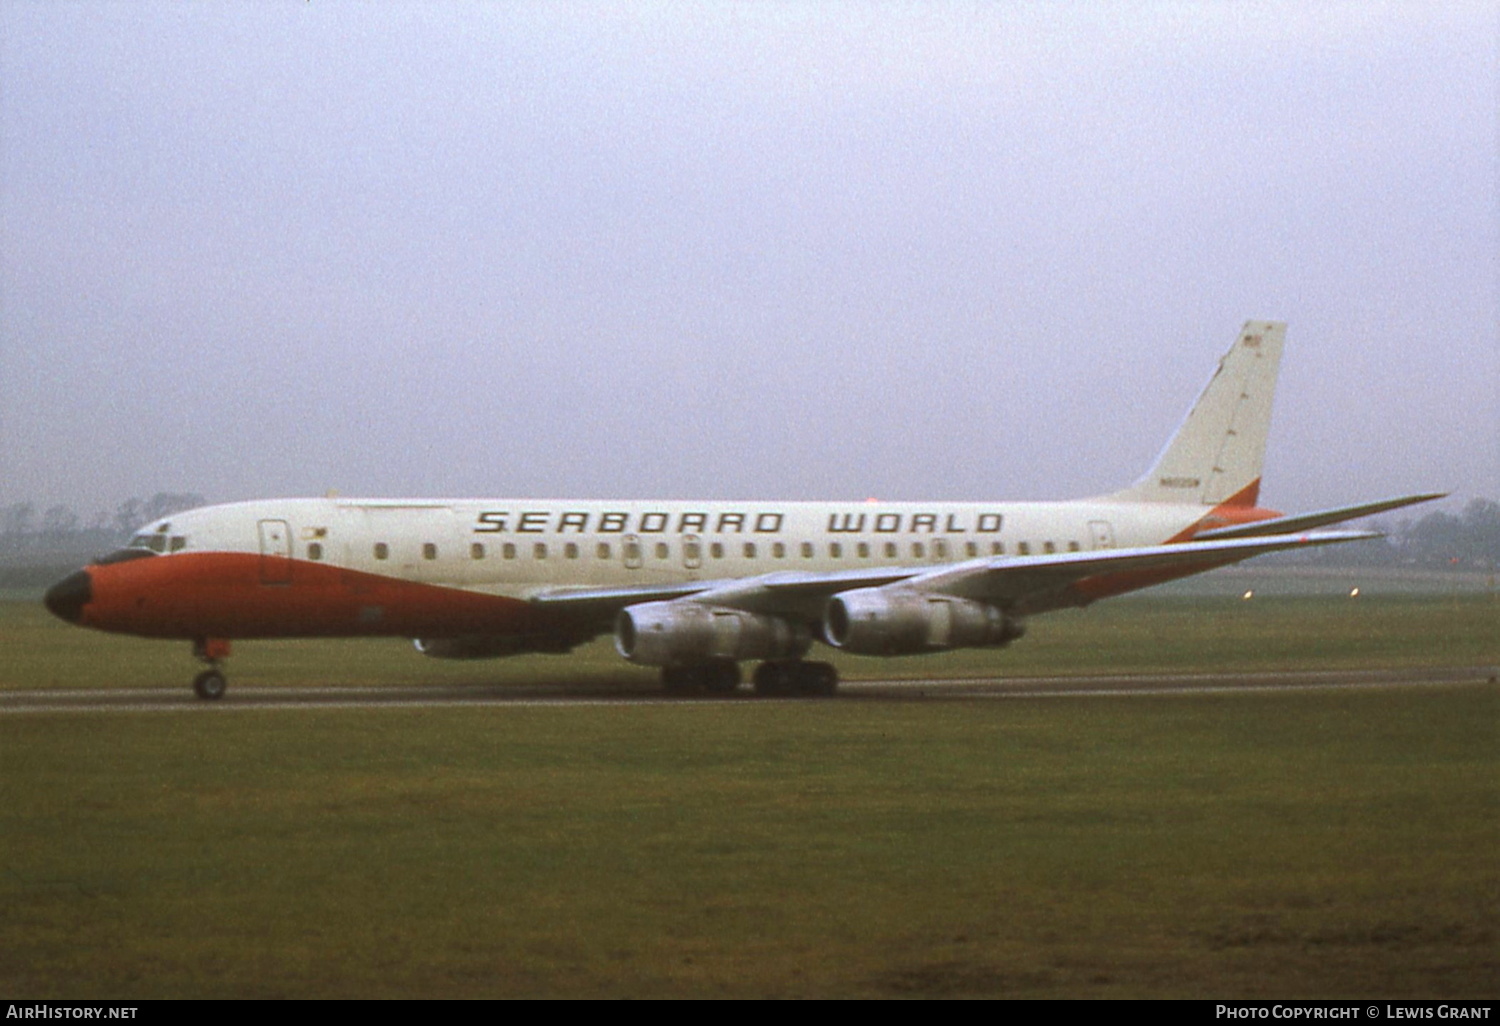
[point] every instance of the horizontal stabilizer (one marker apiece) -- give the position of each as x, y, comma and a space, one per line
1308, 521
1005, 581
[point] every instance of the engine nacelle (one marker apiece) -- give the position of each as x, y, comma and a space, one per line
476, 646
874, 621
677, 633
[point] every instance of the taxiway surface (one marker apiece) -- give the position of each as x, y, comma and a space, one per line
252, 697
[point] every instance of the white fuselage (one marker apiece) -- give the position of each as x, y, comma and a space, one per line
515, 547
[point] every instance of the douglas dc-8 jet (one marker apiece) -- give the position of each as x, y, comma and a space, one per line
696, 588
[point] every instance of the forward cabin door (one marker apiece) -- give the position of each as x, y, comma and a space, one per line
1103, 534
275, 552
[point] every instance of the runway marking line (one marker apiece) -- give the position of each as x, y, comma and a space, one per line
139, 700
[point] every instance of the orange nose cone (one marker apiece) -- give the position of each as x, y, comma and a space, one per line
68, 596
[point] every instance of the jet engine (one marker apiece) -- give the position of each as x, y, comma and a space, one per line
876, 621
679, 633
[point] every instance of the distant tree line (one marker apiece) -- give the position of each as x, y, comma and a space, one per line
1468, 540
24, 528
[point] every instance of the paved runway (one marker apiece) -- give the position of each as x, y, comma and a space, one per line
180, 699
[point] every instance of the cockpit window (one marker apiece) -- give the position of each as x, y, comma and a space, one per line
124, 556
159, 542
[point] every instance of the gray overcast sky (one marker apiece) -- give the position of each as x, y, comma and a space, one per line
774, 250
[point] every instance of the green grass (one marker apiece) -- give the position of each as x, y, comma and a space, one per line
1244, 845
1139, 635
1319, 843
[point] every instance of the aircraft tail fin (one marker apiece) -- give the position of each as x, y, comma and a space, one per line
1215, 457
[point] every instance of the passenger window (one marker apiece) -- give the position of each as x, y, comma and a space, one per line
890, 550
314, 551
971, 549
864, 550
716, 550
835, 550
382, 550
603, 550
807, 550
778, 550
1024, 548
940, 549
632, 552
749, 550
918, 550
692, 551
429, 550
476, 551
539, 550
570, 550
1074, 547
662, 551
997, 548
1048, 547
508, 550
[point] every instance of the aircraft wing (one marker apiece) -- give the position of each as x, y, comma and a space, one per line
786, 591
1025, 584
1034, 584
1308, 521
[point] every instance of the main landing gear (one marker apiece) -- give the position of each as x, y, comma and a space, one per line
211, 683
794, 677
717, 677
781, 678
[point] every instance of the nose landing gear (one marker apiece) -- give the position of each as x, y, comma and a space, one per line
211, 683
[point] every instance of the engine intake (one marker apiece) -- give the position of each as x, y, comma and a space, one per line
679, 633
874, 621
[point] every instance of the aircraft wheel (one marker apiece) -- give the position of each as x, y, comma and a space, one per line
679, 680
817, 679
721, 676
717, 676
210, 685
773, 680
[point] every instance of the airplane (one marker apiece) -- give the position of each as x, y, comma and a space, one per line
696, 588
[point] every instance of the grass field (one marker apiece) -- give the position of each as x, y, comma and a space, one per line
1319, 843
